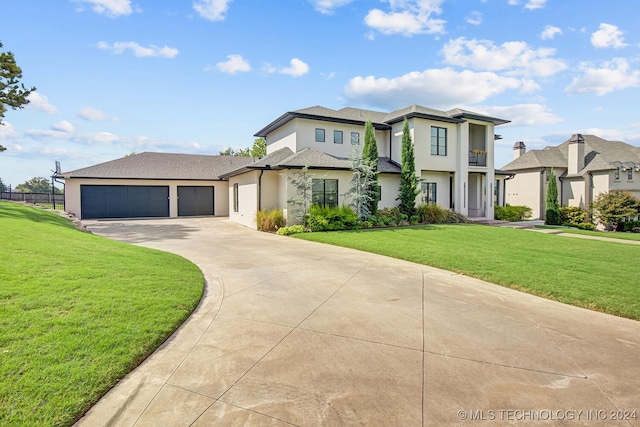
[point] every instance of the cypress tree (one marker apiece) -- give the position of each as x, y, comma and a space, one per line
408, 179
552, 209
370, 155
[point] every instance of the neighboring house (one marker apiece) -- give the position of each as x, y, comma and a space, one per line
151, 185
585, 166
454, 152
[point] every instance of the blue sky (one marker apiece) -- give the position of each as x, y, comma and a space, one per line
197, 76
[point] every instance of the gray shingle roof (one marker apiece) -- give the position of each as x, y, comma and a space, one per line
162, 166
598, 154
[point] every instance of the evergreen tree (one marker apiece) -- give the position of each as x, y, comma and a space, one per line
301, 203
552, 216
364, 178
408, 179
370, 155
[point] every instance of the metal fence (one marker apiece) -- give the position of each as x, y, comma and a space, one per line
55, 201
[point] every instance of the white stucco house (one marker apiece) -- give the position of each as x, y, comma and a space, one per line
454, 152
585, 166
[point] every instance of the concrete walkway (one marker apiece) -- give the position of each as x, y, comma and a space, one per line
298, 333
559, 232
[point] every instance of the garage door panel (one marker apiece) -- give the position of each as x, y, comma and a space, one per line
195, 200
124, 201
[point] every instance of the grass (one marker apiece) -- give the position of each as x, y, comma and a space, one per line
592, 274
611, 235
77, 313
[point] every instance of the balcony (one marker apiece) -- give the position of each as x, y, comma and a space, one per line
477, 158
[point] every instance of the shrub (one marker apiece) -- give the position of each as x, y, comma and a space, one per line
572, 215
270, 220
585, 226
415, 219
390, 213
615, 207
456, 218
331, 219
292, 229
432, 214
512, 213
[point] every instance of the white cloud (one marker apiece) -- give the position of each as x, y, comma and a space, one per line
523, 114
63, 126
328, 7
516, 58
613, 75
531, 4
7, 131
407, 17
41, 103
110, 8
141, 52
233, 65
213, 10
550, 32
297, 68
441, 88
475, 18
608, 36
92, 115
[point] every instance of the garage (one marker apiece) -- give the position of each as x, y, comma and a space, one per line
124, 201
195, 200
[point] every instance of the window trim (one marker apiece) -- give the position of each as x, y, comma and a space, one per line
335, 134
324, 136
236, 198
357, 138
437, 137
324, 191
430, 190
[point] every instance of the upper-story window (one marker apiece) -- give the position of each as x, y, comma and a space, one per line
355, 138
319, 135
337, 137
438, 141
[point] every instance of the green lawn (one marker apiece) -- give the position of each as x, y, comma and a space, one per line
77, 312
612, 235
598, 275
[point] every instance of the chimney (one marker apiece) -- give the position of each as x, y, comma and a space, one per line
519, 149
575, 154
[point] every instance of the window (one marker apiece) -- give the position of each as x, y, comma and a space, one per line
430, 192
319, 135
337, 137
616, 174
325, 192
235, 197
355, 138
630, 174
438, 141
547, 175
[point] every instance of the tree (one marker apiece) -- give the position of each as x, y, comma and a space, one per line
36, 185
257, 150
301, 203
364, 180
3, 187
552, 214
408, 178
370, 155
615, 207
12, 93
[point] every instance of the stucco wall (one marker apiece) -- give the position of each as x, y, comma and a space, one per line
247, 198
389, 183
442, 187
221, 197
524, 190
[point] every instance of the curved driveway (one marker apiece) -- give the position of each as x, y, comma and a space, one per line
291, 332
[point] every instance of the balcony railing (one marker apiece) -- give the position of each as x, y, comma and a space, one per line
477, 158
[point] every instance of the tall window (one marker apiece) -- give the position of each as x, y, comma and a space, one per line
616, 174
430, 192
438, 141
235, 197
355, 138
630, 174
324, 192
337, 137
319, 135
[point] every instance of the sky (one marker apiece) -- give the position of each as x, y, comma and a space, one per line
197, 76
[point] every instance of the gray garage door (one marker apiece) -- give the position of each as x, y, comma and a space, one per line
195, 201
124, 201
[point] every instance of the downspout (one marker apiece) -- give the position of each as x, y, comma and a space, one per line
260, 186
391, 144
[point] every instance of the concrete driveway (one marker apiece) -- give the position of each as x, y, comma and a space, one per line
298, 333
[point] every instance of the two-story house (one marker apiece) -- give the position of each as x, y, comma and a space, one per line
454, 152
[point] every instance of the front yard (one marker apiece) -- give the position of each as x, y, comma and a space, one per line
77, 313
592, 274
